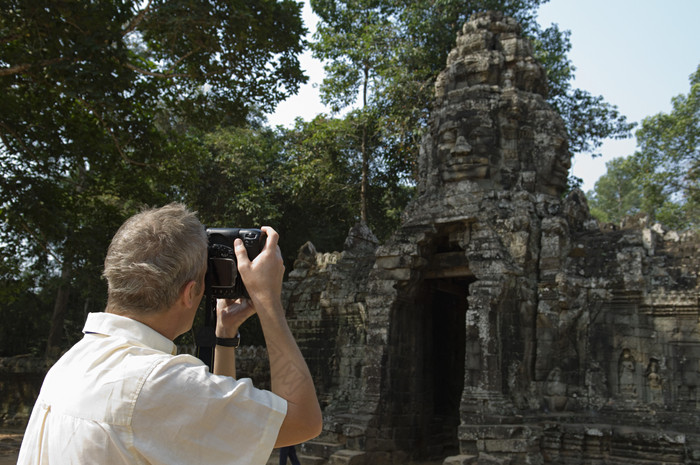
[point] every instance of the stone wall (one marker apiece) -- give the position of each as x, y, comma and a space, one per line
501, 323
20, 381
21, 378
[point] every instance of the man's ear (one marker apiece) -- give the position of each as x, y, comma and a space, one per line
189, 293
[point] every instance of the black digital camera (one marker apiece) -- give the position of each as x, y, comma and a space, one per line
222, 278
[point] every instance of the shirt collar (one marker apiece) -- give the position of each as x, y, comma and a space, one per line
110, 324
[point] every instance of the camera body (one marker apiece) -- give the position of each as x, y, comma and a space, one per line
222, 279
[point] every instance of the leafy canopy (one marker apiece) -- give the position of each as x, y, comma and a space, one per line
662, 178
102, 106
382, 58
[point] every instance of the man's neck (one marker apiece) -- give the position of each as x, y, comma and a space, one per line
159, 321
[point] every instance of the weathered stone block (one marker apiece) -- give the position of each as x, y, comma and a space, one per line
460, 460
348, 457
508, 446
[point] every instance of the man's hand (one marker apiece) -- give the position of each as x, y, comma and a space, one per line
230, 315
263, 276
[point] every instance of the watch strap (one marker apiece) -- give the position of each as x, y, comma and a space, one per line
229, 341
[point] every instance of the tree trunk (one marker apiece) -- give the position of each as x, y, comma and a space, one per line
53, 345
364, 186
365, 176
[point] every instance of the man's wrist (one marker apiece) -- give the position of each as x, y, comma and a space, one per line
229, 341
226, 332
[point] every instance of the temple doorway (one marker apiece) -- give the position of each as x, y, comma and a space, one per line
444, 315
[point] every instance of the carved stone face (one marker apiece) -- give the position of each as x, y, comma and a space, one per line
552, 158
499, 128
464, 151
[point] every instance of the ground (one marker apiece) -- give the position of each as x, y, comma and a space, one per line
10, 439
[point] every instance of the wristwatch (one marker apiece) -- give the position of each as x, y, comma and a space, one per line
229, 341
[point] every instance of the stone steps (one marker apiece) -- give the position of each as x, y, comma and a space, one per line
303, 459
461, 460
348, 457
323, 449
322, 453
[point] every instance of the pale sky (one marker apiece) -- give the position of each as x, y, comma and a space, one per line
636, 54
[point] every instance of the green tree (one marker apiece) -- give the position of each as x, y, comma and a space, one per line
101, 105
389, 52
322, 179
298, 180
669, 155
662, 178
617, 193
353, 40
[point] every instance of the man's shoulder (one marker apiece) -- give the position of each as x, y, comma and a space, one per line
99, 378
99, 360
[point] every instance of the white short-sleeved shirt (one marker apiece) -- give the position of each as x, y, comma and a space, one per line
121, 396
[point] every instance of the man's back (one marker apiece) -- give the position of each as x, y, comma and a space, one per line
120, 396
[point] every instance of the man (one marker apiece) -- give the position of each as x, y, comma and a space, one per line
121, 396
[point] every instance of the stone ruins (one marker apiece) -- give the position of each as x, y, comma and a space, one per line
501, 324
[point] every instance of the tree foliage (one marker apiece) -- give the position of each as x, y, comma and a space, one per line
662, 178
354, 41
617, 193
383, 56
300, 181
102, 103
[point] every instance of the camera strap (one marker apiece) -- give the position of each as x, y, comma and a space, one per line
206, 336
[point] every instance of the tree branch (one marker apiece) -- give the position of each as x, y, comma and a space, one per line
163, 75
137, 19
18, 69
182, 58
16, 136
118, 146
44, 244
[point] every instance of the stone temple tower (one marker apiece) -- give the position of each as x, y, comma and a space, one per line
500, 323
462, 275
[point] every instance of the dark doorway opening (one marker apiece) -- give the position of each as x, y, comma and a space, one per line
445, 307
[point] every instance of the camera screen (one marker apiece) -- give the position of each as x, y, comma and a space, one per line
223, 272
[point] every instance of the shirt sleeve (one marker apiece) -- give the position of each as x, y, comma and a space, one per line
184, 414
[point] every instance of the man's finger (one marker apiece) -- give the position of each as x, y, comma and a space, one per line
272, 237
241, 252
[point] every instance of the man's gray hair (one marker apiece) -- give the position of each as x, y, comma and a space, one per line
152, 256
